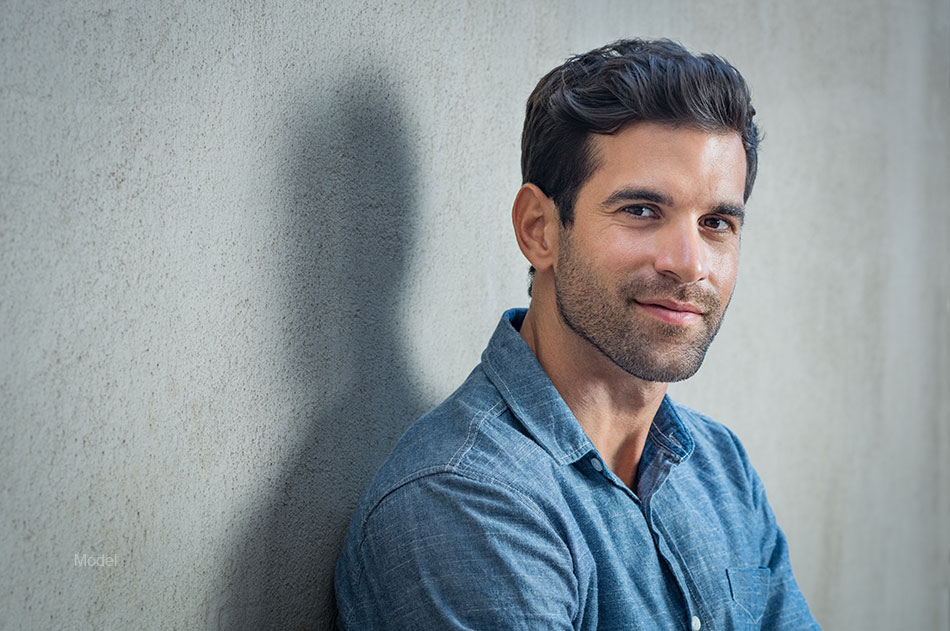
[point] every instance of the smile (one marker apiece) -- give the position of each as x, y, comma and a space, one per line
670, 312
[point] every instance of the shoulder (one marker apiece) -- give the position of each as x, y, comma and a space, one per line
472, 434
718, 449
710, 433
461, 499
466, 449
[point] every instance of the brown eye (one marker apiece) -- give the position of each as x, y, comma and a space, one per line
639, 211
717, 223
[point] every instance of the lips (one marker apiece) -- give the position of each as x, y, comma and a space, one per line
672, 311
673, 305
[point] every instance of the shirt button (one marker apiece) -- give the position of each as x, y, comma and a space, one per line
695, 623
594, 462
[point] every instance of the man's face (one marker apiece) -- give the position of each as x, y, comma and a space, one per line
647, 268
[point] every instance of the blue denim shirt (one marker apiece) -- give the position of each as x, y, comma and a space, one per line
495, 511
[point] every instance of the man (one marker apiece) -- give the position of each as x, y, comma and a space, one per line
559, 487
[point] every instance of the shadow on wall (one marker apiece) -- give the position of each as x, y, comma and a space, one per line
348, 235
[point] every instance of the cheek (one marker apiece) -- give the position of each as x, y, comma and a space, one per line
622, 250
723, 271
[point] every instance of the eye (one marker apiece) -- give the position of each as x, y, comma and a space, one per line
639, 211
717, 223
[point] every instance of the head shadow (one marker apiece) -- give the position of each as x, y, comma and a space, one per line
349, 225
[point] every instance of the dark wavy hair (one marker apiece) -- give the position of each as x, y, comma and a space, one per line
629, 81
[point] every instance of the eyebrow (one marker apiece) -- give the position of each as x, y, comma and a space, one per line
637, 195
648, 195
730, 210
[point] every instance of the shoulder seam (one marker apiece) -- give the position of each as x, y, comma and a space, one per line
452, 466
493, 412
461, 472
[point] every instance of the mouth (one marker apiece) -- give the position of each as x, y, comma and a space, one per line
672, 311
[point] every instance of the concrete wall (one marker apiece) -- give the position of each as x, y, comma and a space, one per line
242, 245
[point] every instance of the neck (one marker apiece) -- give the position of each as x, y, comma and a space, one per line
614, 408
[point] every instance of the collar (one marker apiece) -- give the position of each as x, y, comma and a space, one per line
514, 370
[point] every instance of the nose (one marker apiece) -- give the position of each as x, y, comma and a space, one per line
682, 253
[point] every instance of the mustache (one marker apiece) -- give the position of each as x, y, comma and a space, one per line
650, 289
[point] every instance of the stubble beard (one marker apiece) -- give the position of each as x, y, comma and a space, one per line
642, 346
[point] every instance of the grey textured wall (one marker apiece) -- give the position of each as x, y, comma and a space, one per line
243, 246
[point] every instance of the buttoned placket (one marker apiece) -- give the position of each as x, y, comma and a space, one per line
667, 460
657, 475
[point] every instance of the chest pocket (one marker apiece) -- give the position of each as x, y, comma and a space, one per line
750, 590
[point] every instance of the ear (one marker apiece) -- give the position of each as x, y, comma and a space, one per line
536, 223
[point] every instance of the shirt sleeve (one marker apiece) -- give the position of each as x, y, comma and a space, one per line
449, 551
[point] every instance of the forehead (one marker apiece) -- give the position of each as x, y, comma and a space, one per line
682, 162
